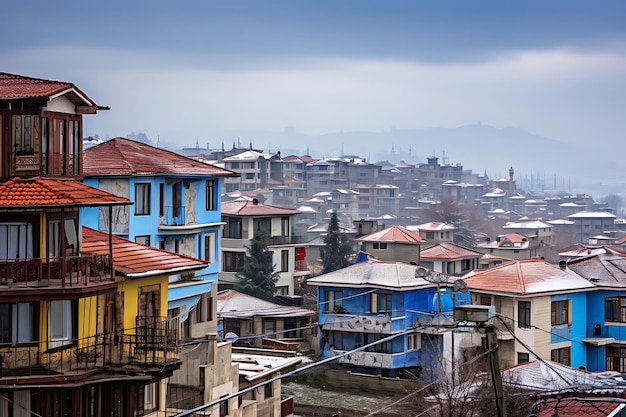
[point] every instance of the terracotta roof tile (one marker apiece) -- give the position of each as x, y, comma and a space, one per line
247, 207
392, 234
448, 250
120, 156
41, 191
18, 86
134, 259
525, 277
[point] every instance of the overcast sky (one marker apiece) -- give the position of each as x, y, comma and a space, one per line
207, 70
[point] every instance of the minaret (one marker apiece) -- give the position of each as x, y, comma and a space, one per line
511, 172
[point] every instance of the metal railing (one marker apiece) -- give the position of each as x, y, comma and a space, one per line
155, 342
79, 270
172, 216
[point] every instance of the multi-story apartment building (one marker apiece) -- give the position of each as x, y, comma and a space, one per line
58, 312
177, 208
376, 200
244, 218
432, 175
256, 169
590, 223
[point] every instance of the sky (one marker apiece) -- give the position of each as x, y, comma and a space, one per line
207, 71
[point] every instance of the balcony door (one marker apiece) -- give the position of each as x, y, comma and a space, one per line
16, 241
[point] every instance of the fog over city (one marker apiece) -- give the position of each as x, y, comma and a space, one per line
488, 85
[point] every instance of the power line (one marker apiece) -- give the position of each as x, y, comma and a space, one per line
288, 374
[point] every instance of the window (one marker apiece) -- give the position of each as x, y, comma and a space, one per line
380, 303
269, 328
233, 261
523, 314
559, 312
616, 359
142, 199
150, 397
233, 229
18, 322
414, 341
209, 309
144, 240
209, 248
224, 408
284, 226
23, 134
16, 240
380, 245
269, 390
284, 261
210, 195
384, 347
334, 300
562, 355
430, 235
60, 323
263, 226
523, 357
54, 238
44, 145
615, 309
249, 175
485, 300
74, 147
161, 199
177, 198
465, 264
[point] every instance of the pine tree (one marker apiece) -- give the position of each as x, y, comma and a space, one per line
257, 276
337, 249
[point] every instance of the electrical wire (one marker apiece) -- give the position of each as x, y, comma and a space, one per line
288, 374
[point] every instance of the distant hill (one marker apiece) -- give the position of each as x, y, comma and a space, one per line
595, 170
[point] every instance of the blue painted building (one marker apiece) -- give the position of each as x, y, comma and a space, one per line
176, 208
605, 313
370, 301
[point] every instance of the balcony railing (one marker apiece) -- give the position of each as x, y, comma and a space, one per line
173, 216
154, 344
288, 240
56, 272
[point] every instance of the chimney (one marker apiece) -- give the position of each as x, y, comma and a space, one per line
255, 201
562, 265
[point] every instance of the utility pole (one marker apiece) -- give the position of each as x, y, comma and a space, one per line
492, 346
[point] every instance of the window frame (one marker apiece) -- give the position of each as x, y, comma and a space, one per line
333, 300
142, 198
559, 312
524, 314
381, 302
211, 200
562, 355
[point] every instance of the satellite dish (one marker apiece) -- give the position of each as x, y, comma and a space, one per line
231, 337
420, 272
460, 286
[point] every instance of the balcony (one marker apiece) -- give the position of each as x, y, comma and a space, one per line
598, 335
154, 345
172, 216
288, 240
74, 271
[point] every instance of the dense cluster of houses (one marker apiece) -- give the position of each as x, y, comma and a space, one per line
118, 270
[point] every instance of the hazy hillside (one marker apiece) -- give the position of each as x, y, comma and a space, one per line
595, 170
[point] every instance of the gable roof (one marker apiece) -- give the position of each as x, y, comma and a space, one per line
40, 191
448, 250
237, 305
509, 241
603, 269
248, 207
396, 234
526, 277
434, 226
15, 87
121, 156
135, 260
391, 275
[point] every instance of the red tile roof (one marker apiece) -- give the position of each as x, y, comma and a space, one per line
247, 207
448, 250
575, 407
120, 156
41, 191
135, 260
525, 277
14, 86
392, 234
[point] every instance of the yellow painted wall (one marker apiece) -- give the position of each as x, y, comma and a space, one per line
130, 289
